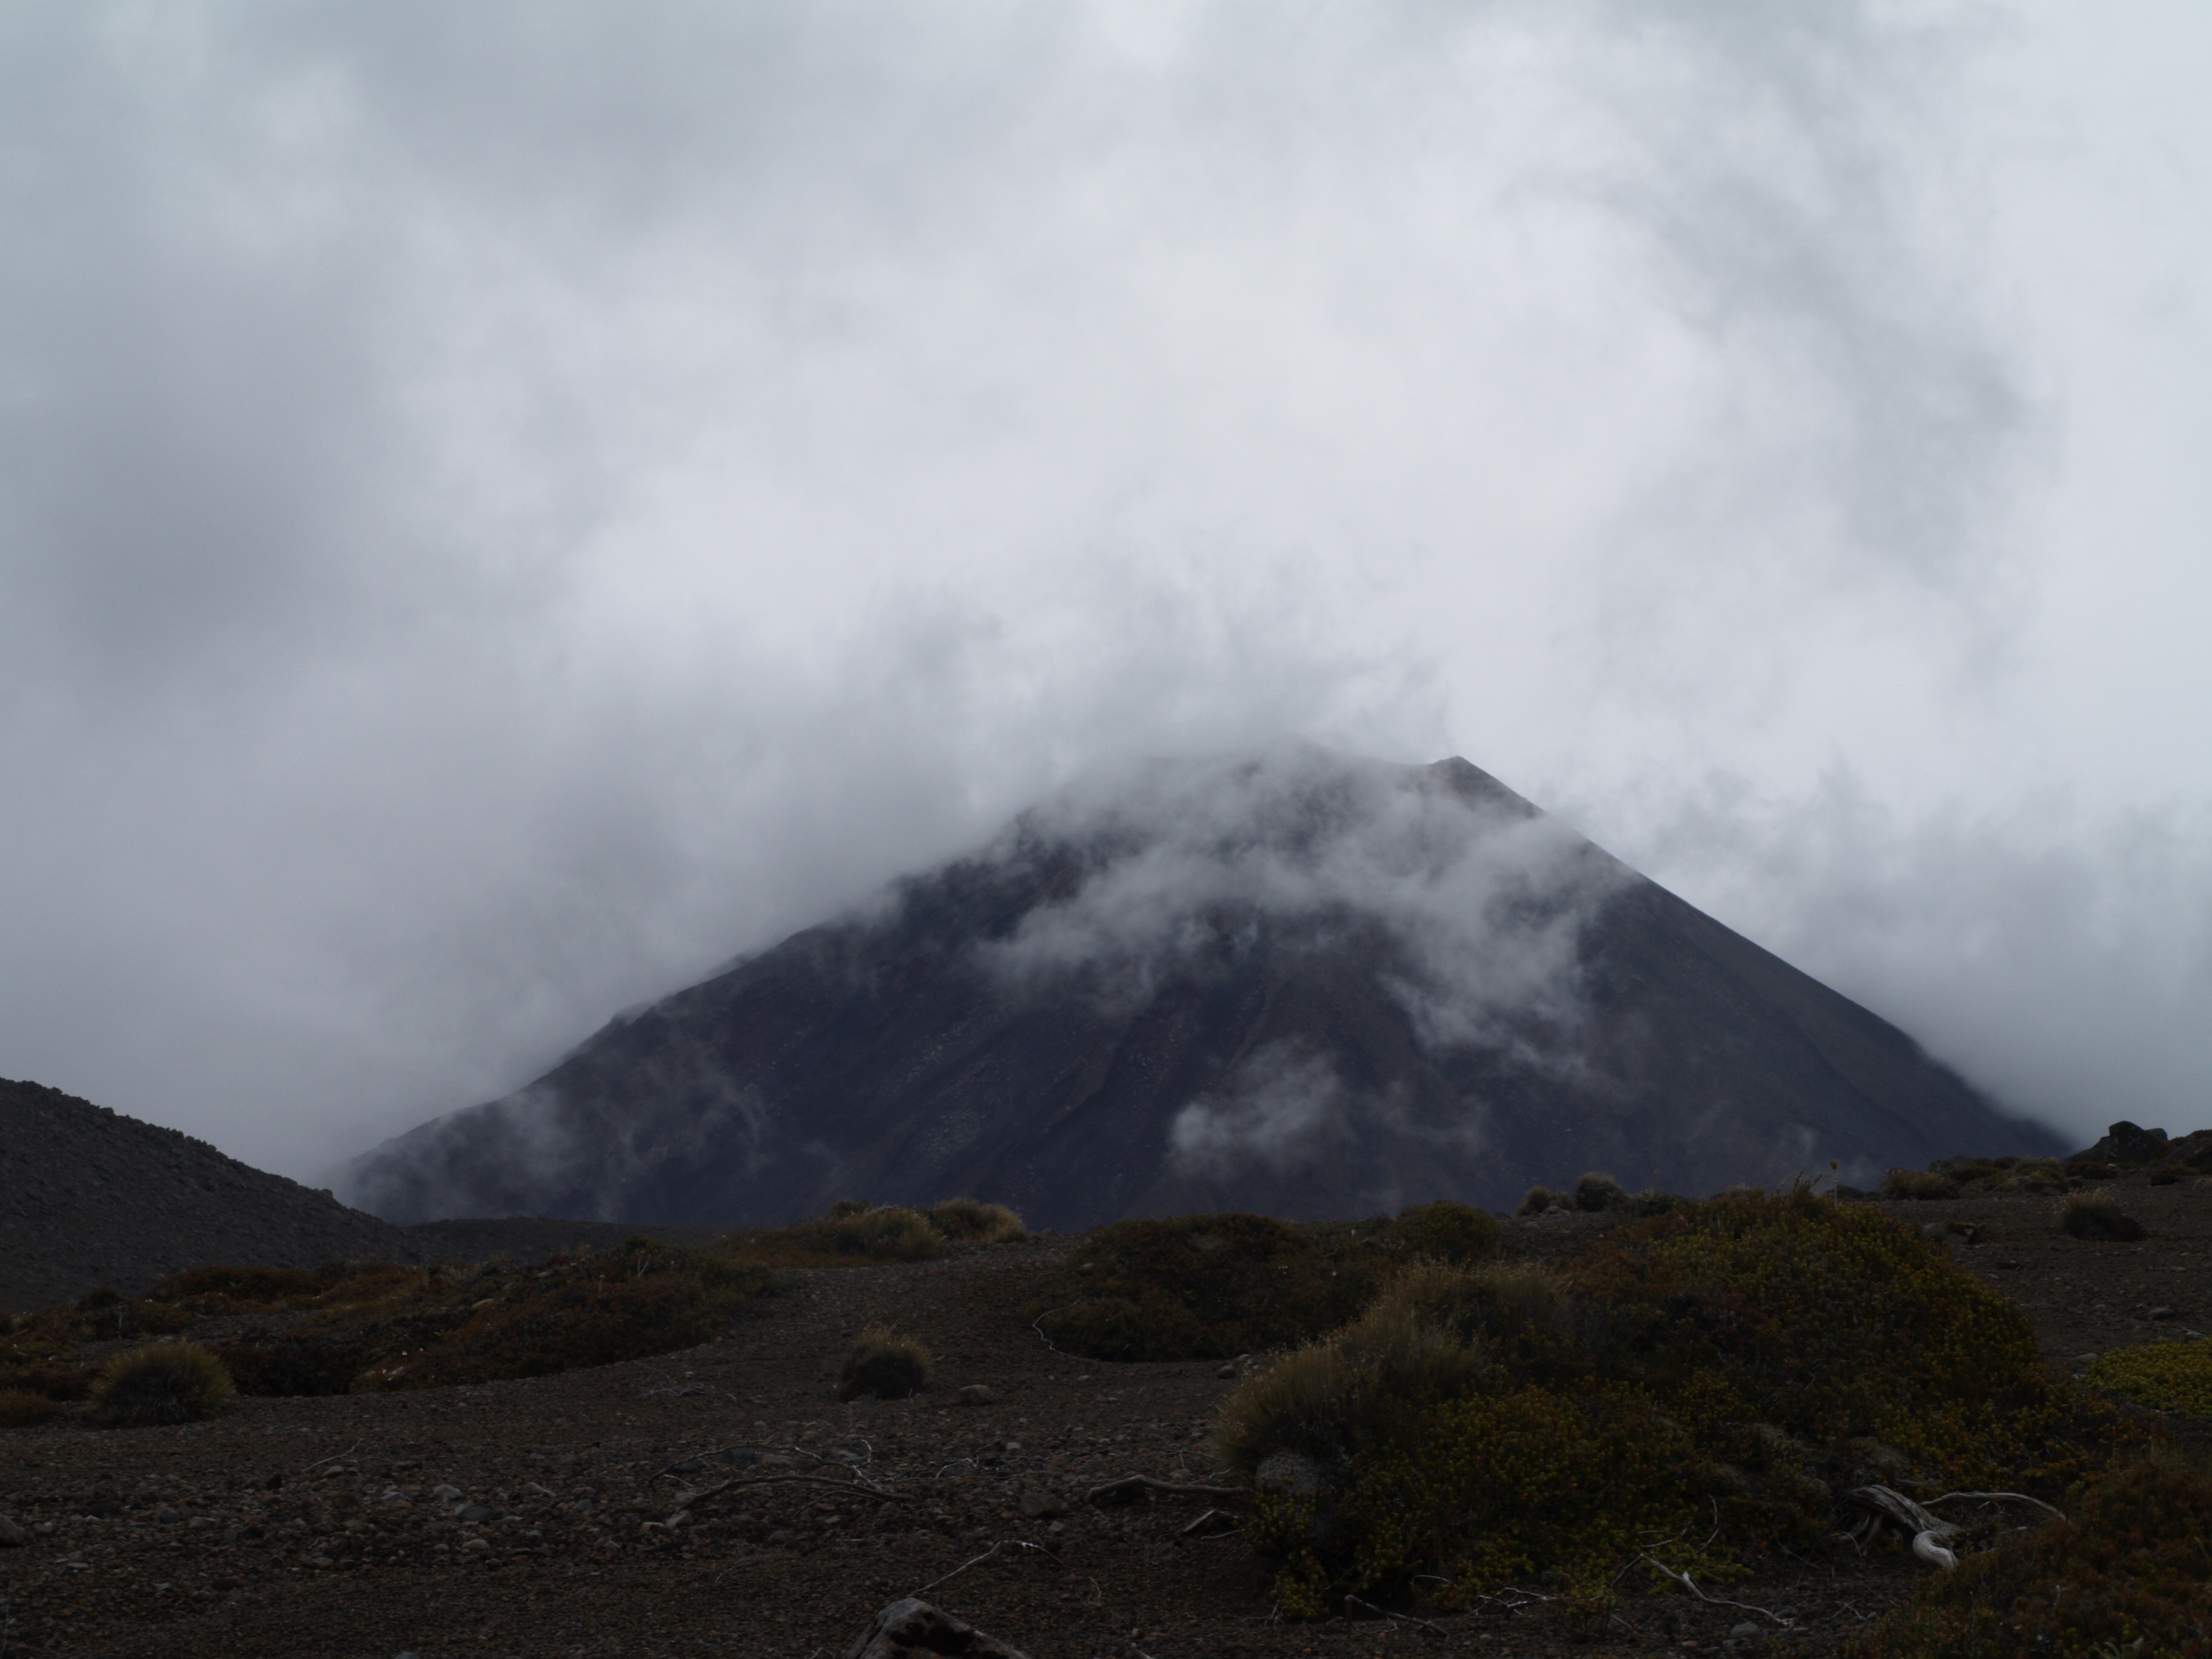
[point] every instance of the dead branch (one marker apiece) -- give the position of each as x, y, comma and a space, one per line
1688, 1583
1017, 1543
2016, 1497
1369, 1606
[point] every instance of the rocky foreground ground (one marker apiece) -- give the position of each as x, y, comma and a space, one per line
720, 1501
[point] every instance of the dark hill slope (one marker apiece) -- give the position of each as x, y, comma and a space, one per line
1298, 983
89, 1197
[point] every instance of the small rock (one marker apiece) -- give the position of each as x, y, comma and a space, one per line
476, 1512
1287, 1471
1013, 1445
1227, 1371
779, 1536
913, 1629
2161, 1313
977, 1394
447, 1494
166, 1517
476, 1546
1039, 1505
12, 1533
2085, 1359
1746, 1628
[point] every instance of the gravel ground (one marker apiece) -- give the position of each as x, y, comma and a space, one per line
719, 1502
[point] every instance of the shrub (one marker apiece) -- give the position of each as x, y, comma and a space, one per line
2126, 1576
1446, 1230
240, 1287
2096, 1214
845, 1208
967, 1218
93, 1301
2167, 1376
163, 1383
1737, 1359
1918, 1183
1651, 1201
1599, 1192
884, 1365
852, 1234
19, 1409
1537, 1199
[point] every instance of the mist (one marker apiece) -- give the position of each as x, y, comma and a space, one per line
500, 510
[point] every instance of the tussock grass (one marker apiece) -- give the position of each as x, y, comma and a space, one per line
1213, 1286
851, 1235
1738, 1360
21, 1409
2096, 1214
1537, 1199
967, 1220
1918, 1183
1596, 1192
162, 1382
885, 1364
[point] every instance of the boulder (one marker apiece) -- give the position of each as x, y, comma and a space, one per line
911, 1628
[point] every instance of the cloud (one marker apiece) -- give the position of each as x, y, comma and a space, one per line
500, 508
1282, 1109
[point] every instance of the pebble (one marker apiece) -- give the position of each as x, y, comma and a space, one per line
2161, 1313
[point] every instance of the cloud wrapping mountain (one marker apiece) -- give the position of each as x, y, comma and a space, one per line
1290, 982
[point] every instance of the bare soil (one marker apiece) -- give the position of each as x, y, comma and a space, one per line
314, 1527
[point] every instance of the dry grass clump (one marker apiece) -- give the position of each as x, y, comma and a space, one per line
2096, 1214
1595, 1192
162, 1382
21, 1409
1212, 1287
1733, 1364
2124, 1575
1918, 1183
2167, 1376
969, 1219
1446, 1231
884, 1365
852, 1234
240, 1290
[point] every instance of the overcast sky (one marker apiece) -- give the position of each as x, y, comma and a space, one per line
504, 506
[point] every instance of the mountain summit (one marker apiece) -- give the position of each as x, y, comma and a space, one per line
1296, 983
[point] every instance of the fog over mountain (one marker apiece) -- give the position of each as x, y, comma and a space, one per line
1292, 982
504, 505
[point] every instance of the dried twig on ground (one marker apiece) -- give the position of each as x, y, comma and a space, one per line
1690, 1584
1003, 1543
1153, 1483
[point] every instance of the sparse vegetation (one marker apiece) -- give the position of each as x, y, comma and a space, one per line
2126, 1577
1212, 1287
2167, 1376
2096, 1214
1595, 1192
1537, 1199
162, 1382
852, 1234
968, 1219
21, 1409
1918, 1183
884, 1365
1739, 1358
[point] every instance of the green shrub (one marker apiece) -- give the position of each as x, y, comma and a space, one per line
967, 1218
884, 1365
2167, 1376
1447, 1231
845, 1208
21, 1409
2096, 1214
2125, 1574
162, 1382
1918, 1183
1651, 1201
1740, 1359
1537, 1199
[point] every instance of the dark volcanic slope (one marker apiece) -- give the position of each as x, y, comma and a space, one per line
89, 1197
1300, 984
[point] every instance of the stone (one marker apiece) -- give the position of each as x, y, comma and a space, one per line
1039, 1505
977, 1394
1227, 1371
1287, 1471
12, 1535
1746, 1628
447, 1494
2161, 1313
911, 1628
